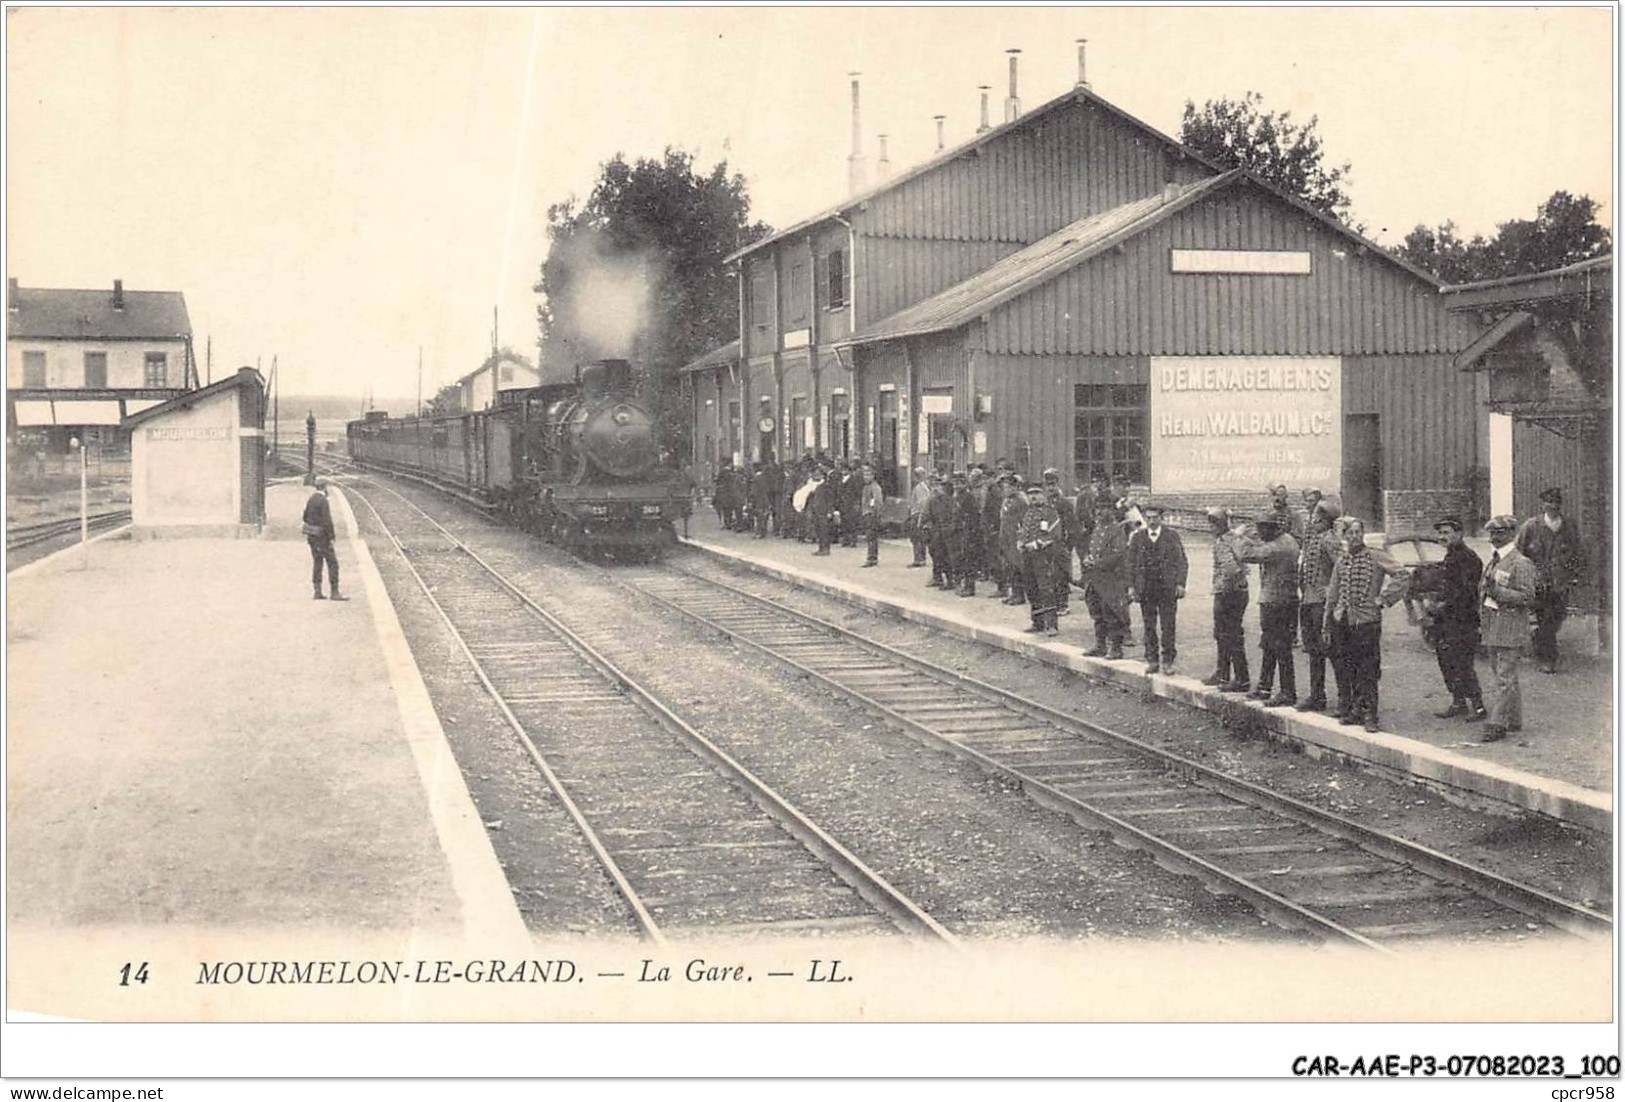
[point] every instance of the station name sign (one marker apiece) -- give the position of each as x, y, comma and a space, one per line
202, 432
1225, 423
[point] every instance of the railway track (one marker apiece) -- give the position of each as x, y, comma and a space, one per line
692, 840
1299, 866
26, 535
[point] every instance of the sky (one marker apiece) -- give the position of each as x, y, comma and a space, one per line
341, 187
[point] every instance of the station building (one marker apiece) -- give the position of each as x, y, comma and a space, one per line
79, 361
478, 390
1074, 289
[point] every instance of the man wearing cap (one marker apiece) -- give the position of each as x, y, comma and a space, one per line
1105, 583
992, 556
1011, 511
1229, 605
1271, 546
1552, 542
1066, 543
1353, 620
1452, 619
870, 500
1281, 509
1040, 530
939, 529
968, 532
821, 508
1157, 571
1316, 558
1507, 591
918, 498
319, 534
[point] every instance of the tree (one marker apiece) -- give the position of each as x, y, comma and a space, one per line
636, 272
1241, 134
1564, 231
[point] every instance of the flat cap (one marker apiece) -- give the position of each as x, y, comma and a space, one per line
1451, 521
1553, 495
1501, 522
1051, 474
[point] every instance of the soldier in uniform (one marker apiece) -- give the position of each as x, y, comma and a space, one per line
1068, 541
1040, 530
1105, 584
968, 532
1451, 620
1316, 558
1286, 518
1011, 511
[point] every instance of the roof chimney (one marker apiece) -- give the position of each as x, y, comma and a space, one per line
984, 89
1012, 105
1083, 75
882, 166
118, 294
940, 120
14, 300
856, 174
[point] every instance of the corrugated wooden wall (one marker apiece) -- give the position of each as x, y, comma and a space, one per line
1032, 403
1130, 303
1435, 431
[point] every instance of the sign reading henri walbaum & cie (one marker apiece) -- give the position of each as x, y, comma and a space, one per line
1243, 422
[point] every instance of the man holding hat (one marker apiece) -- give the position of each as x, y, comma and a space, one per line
1157, 570
1552, 542
1453, 622
1506, 592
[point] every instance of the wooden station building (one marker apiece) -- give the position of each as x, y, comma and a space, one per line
1074, 289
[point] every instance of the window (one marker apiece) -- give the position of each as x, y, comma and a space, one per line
761, 299
157, 369
33, 369
837, 279
1109, 427
795, 310
95, 369
505, 373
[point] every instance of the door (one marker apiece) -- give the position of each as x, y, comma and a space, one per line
886, 443
840, 425
1362, 468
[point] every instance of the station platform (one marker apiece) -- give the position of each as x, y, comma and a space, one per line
1560, 765
199, 750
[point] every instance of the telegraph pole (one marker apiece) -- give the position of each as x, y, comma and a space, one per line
310, 448
420, 382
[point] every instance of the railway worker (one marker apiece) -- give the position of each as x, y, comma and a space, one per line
939, 528
1157, 572
992, 556
1067, 542
1452, 621
761, 500
319, 534
1269, 544
918, 498
870, 501
1229, 605
1508, 589
1316, 557
1552, 542
1011, 510
821, 507
1353, 620
1040, 531
1105, 583
968, 531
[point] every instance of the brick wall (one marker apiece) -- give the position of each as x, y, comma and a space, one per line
1408, 513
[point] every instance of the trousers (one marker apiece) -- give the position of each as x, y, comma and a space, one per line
1278, 621
1454, 649
1357, 649
1506, 710
321, 550
1228, 609
1551, 609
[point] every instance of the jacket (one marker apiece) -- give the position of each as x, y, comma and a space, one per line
821, 502
1156, 568
1558, 557
1316, 557
1011, 511
1040, 529
918, 499
1104, 563
1359, 608
1071, 536
940, 513
1278, 566
319, 514
1506, 589
1229, 572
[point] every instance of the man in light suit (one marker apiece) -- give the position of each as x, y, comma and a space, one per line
1506, 594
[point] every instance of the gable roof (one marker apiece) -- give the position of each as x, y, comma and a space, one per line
1071, 96
245, 376
496, 360
46, 313
1075, 244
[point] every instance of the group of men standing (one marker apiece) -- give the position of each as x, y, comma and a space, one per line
816, 499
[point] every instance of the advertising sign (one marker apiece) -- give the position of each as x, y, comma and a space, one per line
1245, 422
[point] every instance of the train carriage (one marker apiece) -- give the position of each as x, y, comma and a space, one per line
575, 462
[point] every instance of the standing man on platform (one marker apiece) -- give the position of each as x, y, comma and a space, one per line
939, 528
1508, 589
1040, 530
1453, 622
1273, 548
992, 553
1105, 583
319, 534
1316, 558
821, 508
1229, 605
968, 532
918, 498
1011, 511
869, 501
1066, 542
1354, 606
1157, 571
1552, 542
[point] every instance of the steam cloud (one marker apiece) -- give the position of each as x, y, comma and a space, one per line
603, 304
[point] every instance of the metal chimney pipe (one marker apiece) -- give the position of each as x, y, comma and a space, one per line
856, 172
1083, 74
118, 294
941, 144
1012, 105
984, 89
882, 166
14, 299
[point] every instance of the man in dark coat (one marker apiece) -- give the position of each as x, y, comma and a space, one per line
1104, 570
319, 535
992, 557
1040, 530
1269, 544
1011, 511
1157, 571
1067, 542
821, 509
849, 500
761, 500
1449, 592
940, 517
1552, 542
967, 533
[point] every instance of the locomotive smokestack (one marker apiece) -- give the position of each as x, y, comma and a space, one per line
984, 89
1083, 73
883, 166
1012, 105
941, 144
856, 173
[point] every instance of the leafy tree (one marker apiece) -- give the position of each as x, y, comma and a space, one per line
1563, 231
636, 272
1242, 134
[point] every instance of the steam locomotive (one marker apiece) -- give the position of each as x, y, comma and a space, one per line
576, 462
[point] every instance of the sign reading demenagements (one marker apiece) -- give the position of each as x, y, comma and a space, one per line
1244, 422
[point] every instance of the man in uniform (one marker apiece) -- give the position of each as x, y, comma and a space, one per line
1508, 589
1010, 514
1353, 620
1316, 558
1067, 542
1273, 548
1452, 621
940, 516
992, 557
1552, 542
1157, 571
869, 501
761, 500
1229, 605
1105, 588
319, 534
1040, 530
918, 498
967, 534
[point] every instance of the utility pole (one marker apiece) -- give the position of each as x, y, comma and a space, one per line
276, 407
310, 448
420, 381
208, 359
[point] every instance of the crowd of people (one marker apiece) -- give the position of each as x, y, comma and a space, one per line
1321, 588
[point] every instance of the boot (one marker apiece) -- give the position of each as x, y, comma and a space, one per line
1476, 712
1372, 724
1458, 707
1050, 626
1099, 649
1115, 652
1215, 679
318, 595
1313, 704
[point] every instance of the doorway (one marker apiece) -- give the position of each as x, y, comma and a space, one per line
1362, 468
